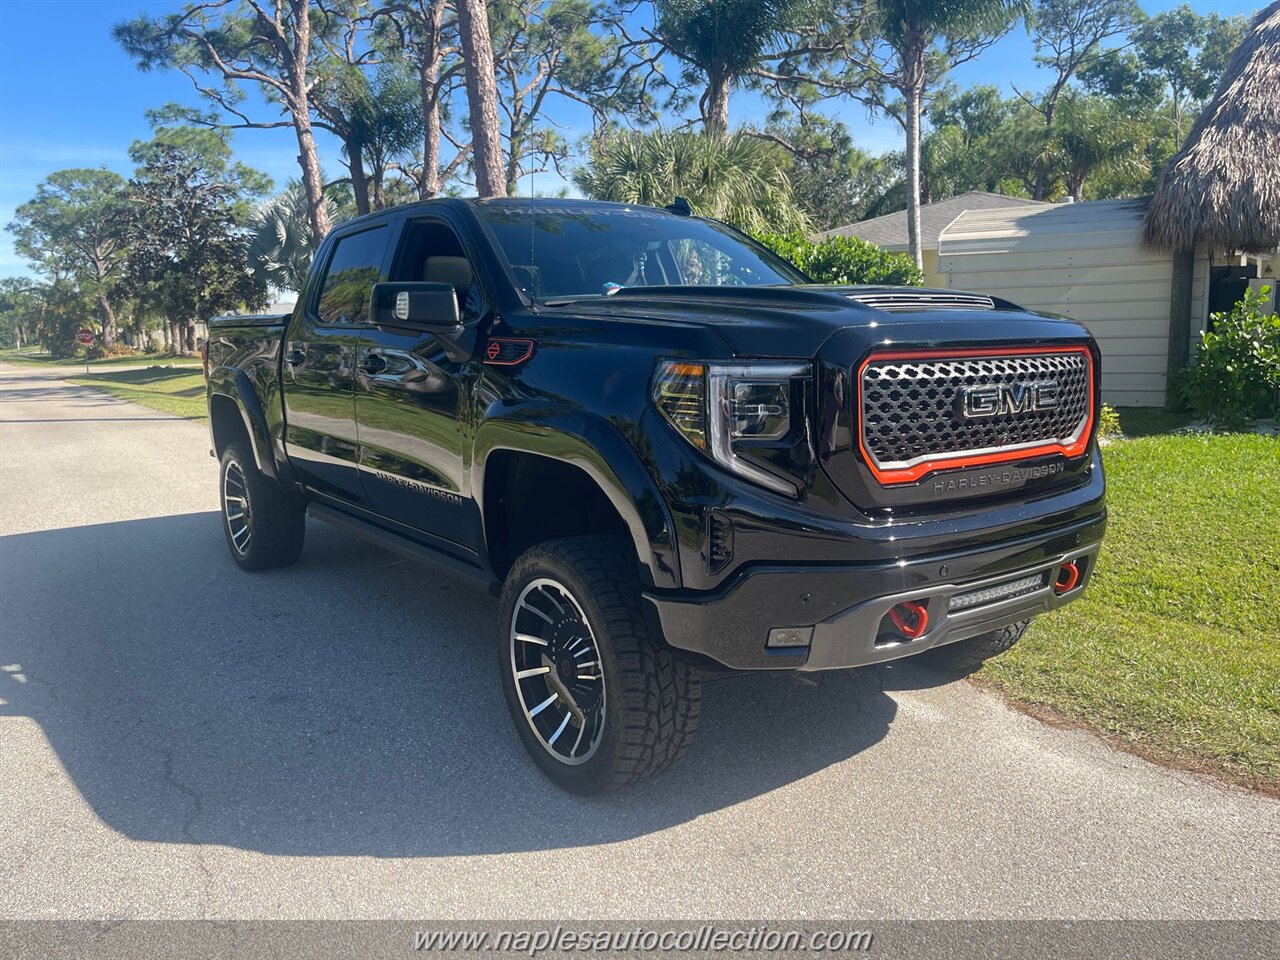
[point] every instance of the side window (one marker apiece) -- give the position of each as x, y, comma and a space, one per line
431, 251
353, 270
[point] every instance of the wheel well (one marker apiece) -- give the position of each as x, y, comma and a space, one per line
529, 499
228, 424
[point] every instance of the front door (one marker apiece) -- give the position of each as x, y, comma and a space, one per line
411, 403
319, 368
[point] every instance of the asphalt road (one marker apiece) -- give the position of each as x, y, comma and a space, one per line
179, 739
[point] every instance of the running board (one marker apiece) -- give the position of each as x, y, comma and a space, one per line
402, 545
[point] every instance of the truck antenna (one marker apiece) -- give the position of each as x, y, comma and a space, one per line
680, 207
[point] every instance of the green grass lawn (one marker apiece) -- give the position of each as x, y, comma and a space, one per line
179, 392
45, 360
1175, 648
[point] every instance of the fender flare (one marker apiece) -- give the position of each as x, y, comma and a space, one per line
235, 385
596, 447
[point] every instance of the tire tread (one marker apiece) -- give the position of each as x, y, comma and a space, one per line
279, 519
661, 695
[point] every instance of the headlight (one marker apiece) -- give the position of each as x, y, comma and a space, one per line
759, 409
720, 407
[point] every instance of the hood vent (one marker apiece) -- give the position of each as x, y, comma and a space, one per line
924, 301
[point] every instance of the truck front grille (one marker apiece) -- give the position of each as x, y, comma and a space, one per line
929, 410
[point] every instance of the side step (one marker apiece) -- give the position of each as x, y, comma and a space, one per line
402, 545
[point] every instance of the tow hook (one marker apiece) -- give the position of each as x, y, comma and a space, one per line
910, 618
1068, 577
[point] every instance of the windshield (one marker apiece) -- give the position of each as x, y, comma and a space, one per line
575, 250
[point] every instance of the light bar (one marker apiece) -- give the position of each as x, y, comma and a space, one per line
1001, 591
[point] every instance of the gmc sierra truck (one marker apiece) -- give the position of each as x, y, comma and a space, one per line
666, 450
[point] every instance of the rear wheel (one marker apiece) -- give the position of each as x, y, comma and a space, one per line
265, 525
974, 652
595, 701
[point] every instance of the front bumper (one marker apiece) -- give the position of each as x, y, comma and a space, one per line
731, 626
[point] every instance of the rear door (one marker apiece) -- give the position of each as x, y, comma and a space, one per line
412, 399
320, 356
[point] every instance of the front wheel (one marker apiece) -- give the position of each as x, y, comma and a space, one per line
265, 525
596, 702
969, 655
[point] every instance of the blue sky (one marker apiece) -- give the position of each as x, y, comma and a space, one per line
69, 97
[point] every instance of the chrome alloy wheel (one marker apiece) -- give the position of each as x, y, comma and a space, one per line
235, 508
558, 672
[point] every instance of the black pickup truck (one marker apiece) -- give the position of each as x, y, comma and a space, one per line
667, 451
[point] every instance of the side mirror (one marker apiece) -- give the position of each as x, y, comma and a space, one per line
430, 307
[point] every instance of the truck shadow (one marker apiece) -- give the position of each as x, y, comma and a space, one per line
348, 705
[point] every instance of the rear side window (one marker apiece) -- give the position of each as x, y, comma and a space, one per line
354, 268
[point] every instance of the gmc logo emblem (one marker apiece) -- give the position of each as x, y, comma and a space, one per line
997, 398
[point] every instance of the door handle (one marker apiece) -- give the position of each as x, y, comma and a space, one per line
295, 356
373, 363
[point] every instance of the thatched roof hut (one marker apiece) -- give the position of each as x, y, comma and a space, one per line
1223, 186
1222, 189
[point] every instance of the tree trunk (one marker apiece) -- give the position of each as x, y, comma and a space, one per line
300, 109
516, 145
359, 182
108, 321
482, 97
913, 175
188, 338
428, 78
175, 339
1184, 268
1041, 189
429, 184
312, 182
715, 112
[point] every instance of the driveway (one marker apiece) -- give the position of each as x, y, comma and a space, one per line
179, 739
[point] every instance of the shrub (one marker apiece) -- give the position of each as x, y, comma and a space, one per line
98, 351
1236, 376
843, 260
1108, 421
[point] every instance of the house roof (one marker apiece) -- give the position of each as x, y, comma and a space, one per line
890, 231
1051, 226
1223, 187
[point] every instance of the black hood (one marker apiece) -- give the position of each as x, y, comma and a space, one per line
794, 322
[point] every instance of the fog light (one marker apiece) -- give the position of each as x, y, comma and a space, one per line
790, 637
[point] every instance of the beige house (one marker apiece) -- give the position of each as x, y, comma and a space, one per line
1085, 261
890, 231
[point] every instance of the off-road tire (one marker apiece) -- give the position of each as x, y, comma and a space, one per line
652, 697
276, 518
968, 655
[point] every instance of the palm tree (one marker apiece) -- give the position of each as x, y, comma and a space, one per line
912, 42
738, 179
281, 242
1091, 135
722, 41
